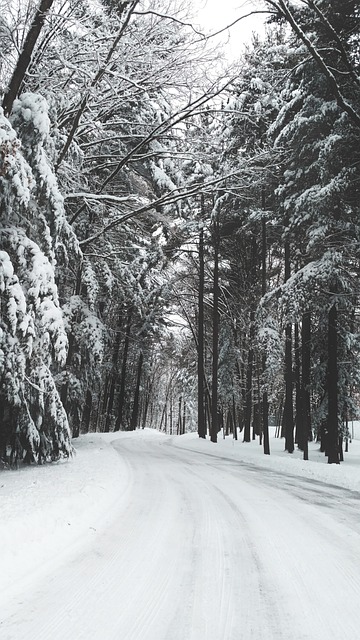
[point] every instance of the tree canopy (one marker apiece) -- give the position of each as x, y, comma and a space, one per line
179, 240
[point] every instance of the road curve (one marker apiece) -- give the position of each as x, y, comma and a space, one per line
204, 548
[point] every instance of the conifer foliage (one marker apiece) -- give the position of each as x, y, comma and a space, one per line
34, 424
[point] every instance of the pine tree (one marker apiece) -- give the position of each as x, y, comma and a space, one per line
34, 425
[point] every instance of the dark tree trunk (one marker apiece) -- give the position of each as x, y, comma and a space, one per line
3, 434
147, 398
163, 416
184, 417
110, 393
71, 350
179, 420
341, 449
249, 380
299, 434
265, 402
166, 417
103, 403
208, 409
234, 419
265, 417
305, 380
135, 411
288, 418
119, 417
87, 412
24, 58
113, 378
171, 411
250, 347
215, 341
332, 390
243, 393
200, 371
256, 420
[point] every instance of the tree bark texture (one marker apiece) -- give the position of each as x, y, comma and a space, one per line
25, 55
288, 419
305, 380
135, 411
119, 418
200, 368
215, 341
332, 390
264, 401
113, 378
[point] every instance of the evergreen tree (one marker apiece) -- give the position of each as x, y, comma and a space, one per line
34, 425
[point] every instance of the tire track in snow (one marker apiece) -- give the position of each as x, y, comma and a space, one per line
131, 548
245, 608
236, 572
199, 550
309, 569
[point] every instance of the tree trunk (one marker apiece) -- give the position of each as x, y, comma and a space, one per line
249, 395
200, 371
163, 416
24, 58
234, 418
135, 411
208, 409
179, 425
121, 402
171, 411
147, 398
71, 350
265, 402
265, 417
215, 341
87, 412
299, 435
305, 380
332, 390
249, 380
288, 417
113, 378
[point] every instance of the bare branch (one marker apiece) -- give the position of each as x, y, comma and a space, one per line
96, 79
173, 19
228, 26
167, 199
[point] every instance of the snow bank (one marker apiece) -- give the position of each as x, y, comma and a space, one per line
51, 510
346, 475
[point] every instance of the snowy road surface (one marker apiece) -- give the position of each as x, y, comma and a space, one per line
202, 548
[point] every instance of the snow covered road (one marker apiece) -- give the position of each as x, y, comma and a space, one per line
201, 547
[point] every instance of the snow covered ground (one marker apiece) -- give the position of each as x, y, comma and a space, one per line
144, 536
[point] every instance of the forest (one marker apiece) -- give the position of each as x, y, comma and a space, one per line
179, 237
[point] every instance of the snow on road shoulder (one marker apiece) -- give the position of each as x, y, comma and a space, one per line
53, 511
49, 511
346, 475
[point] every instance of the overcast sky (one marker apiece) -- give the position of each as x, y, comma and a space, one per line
216, 14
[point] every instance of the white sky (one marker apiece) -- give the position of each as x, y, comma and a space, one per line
214, 15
